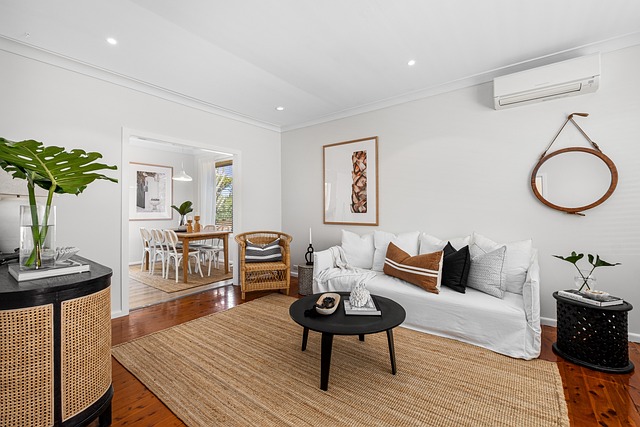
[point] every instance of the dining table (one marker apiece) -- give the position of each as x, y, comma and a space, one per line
186, 237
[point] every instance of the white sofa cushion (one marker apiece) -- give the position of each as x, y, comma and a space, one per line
430, 244
408, 242
516, 262
358, 249
487, 271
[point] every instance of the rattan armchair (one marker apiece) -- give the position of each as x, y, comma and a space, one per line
260, 276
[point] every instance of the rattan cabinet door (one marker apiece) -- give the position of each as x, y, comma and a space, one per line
86, 351
26, 366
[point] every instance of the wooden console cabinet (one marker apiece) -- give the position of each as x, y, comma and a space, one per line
55, 349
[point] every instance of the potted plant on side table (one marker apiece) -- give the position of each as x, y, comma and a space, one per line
56, 171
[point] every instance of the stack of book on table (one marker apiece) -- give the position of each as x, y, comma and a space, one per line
369, 309
601, 301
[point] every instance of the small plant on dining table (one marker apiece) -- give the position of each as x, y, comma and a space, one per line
594, 261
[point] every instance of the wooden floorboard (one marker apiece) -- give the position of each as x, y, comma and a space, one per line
593, 398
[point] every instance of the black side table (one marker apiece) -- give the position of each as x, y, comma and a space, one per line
592, 336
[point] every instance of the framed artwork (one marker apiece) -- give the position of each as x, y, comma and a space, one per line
351, 182
151, 192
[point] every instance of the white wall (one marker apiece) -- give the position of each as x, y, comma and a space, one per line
450, 165
69, 109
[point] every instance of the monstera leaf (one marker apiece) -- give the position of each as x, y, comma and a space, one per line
573, 258
51, 168
600, 262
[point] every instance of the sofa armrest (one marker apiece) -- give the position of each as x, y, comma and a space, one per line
531, 300
323, 260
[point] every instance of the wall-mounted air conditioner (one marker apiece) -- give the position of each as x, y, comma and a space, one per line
567, 78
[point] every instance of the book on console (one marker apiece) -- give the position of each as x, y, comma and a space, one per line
576, 295
369, 309
67, 267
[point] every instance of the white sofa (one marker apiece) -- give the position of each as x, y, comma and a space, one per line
508, 325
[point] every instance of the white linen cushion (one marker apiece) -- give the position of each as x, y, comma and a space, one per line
358, 249
430, 244
516, 261
487, 271
408, 242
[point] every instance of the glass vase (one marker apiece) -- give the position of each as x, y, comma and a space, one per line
587, 278
37, 237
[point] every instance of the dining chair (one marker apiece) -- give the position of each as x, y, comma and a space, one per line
160, 250
211, 252
171, 241
147, 246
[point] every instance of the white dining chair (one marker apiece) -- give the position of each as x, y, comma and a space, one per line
147, 246
160, 250
211, 252
171, 241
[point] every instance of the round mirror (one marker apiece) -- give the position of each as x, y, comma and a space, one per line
574, 179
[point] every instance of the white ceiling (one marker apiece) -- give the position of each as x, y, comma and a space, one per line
320, 59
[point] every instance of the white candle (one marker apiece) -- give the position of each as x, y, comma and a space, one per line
310, 240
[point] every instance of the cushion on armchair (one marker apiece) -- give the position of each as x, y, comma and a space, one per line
270, 252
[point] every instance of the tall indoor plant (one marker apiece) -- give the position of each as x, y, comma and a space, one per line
53, 169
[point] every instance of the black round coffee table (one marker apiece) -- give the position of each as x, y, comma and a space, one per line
392, 315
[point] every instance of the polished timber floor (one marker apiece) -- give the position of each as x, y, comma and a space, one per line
593, 398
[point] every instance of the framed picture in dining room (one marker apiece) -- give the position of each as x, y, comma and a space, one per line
350, 174
150, 192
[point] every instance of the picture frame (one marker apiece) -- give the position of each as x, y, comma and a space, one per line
350, 182
150, 192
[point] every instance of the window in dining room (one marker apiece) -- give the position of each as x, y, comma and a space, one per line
224, 195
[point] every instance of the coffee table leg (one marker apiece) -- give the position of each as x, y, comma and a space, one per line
392, 351
305, 336
325, 363
361, 337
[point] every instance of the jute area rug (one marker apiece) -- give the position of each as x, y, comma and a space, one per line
244, 367
169, 285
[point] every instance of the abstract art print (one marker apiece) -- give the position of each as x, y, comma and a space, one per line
351, 182
150, 192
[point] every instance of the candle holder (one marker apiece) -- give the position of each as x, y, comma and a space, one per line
196, 225
309, 255
189, 226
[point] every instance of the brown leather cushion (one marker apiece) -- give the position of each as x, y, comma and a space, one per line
422, 270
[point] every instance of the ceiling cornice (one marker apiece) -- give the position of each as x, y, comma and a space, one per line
32, 52
20, 48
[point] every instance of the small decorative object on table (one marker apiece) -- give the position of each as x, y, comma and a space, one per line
360, 302
327, 303
585, 280
595, 298
309, 255
196, 225
359, 295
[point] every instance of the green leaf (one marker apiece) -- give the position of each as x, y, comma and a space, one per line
573, 258
600, 262
66, 172
184, 208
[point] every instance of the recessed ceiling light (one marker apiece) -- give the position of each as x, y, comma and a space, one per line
411, 63
280, 108
112, 41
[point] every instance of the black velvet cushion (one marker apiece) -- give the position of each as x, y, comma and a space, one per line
455, 269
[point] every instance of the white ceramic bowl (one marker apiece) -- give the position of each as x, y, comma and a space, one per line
327, 311
597, 295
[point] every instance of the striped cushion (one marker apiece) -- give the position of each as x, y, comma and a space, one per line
263, 253
421, 270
